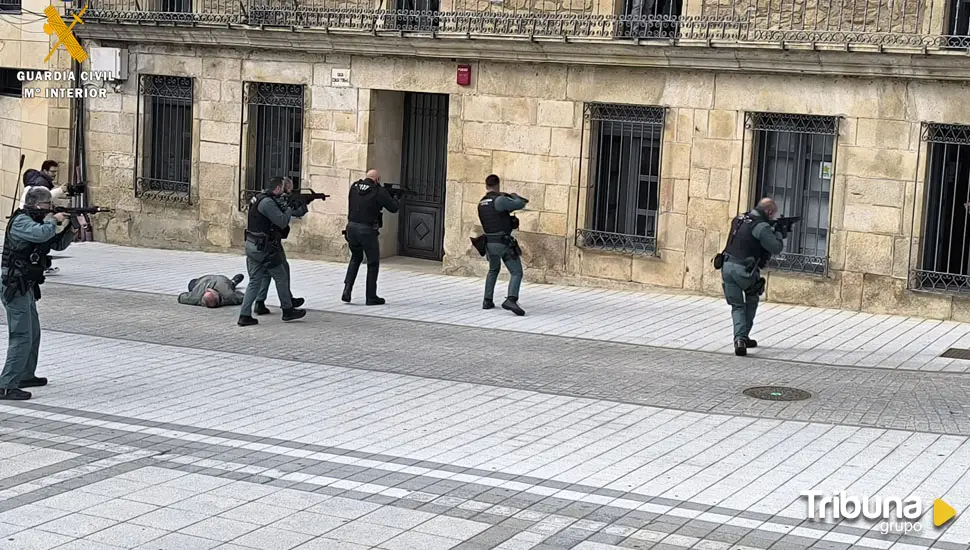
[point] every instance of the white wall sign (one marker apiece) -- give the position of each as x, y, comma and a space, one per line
340, 78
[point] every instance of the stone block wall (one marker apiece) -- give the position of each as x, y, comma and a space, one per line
334, 149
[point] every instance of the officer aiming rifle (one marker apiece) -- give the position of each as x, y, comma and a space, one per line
754, 237
495, 214
30, 236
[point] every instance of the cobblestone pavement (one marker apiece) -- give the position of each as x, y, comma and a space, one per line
687, 322
684, 380
166, 427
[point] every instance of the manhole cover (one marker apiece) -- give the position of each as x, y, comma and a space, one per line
777, 393
956, 353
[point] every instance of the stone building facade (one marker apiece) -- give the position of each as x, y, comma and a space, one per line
634, 159
36, 127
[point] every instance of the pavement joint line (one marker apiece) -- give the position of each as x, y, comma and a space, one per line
720, 354
161, 459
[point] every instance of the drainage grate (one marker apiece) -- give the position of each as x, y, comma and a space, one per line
957, 353
777, 393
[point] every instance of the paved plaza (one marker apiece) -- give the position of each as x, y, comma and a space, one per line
602, 420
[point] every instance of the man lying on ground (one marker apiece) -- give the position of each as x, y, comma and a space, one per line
213, 291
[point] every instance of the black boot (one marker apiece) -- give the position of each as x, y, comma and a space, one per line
740, 347
512, 304
488, 303
348, 289
246, 320
297, 302
376, 301
14, 395
237, 278
293, 314
34, 382
259, 308
749, 343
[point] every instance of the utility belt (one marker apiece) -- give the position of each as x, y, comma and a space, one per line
506, 239
262, 240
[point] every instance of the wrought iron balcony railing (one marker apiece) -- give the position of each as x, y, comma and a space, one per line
918, 24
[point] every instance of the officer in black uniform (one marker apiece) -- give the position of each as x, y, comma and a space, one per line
751, 243
364, 219
264, 252
495, 214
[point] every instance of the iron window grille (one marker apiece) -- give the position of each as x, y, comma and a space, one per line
795, 165
273, 128
10, 85
943, 263
11, 6
656, 19
165, 115
624, 198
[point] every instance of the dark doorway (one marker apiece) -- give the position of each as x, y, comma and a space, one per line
423, 170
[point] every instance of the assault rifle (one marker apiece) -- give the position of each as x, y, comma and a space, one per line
397, 190
303, 197
72, 212
783, 225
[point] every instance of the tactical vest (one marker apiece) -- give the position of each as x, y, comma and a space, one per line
25, 267
744, 244
257, 222
493, 221
366, 208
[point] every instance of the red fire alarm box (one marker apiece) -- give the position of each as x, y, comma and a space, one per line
464, 75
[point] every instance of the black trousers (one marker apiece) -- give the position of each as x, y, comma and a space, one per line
363, 241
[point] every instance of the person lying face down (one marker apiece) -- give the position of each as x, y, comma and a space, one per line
213, 291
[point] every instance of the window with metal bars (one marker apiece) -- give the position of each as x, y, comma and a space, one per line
944, 259
624, 196
166, 132
651, 18
10, 6
794, 161
10, 85
958, 23
174, 6
274, 135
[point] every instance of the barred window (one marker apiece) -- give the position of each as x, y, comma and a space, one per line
165, 116
624, 196
944, 258
274, 135
10, 6
958, 23
794, 165
651, 18
10, 86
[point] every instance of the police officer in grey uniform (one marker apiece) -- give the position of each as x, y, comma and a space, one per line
752, 241
264, 252
30, 236
495, 214
364, 219
299, 210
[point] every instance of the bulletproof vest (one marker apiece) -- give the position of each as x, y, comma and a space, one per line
26, 266
257, 222
492, 220
744, 244
364, 208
